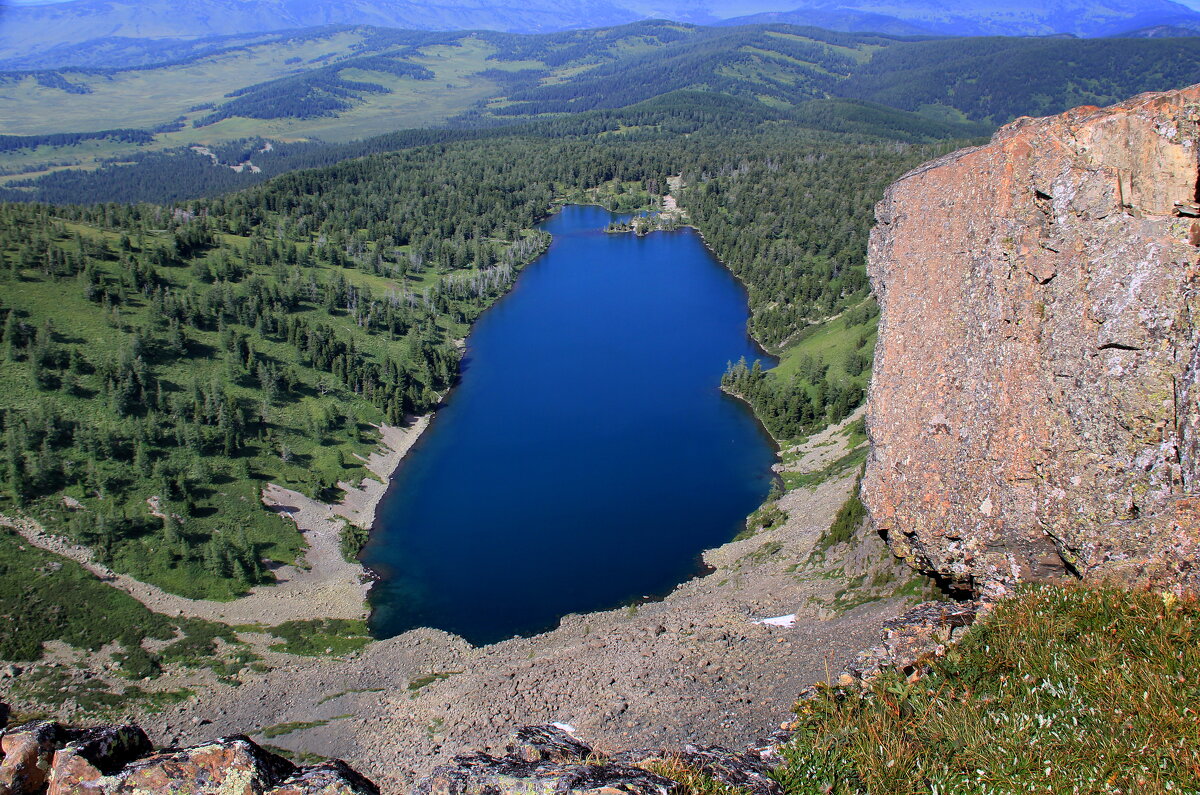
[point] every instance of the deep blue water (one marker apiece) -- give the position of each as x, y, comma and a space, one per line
587, 456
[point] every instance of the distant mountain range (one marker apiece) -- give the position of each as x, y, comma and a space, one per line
28, 30
1083, 18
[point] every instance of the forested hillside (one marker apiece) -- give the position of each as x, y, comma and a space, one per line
996, 79
171, 361
185, 356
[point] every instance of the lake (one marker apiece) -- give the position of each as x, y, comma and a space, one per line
587, 455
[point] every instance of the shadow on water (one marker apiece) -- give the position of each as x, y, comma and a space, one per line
587, 455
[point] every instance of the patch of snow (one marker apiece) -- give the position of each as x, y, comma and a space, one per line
787, 622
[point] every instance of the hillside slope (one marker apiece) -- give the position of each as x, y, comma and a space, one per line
27, 28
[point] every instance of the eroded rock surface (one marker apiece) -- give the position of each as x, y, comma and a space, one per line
1034, 404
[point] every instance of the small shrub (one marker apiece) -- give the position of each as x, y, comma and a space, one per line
137, 663
849, 517
353, 539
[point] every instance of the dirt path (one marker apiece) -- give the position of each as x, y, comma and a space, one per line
326, 585
329, 588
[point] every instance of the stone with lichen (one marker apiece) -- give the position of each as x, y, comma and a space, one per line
1034, 409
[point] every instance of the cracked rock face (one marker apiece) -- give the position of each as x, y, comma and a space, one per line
1034, 404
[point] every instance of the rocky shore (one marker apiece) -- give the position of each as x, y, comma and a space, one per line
699, 667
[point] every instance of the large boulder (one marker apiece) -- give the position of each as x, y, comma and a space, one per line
1034, 410
118, 760
546, 743
334, 777
91, 754
28, 752
228, 766
547, 760
482, 774
543, 760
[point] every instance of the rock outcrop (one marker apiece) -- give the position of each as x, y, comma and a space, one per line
46, 757
547, 760
543, 760
1034, 403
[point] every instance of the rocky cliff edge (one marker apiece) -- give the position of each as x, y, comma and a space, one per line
1033, 410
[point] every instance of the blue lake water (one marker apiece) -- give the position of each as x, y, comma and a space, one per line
587, 455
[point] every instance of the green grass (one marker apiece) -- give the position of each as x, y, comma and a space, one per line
852, 459
333, 636
144, 99
1061, 690
424, 681
764, 551
281, 729
44, 597
846, 522
832, 343
92, 698
856, 432
341, 693
206, 644
295, 757
693, 781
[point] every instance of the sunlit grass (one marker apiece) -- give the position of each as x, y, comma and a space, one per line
1060, 690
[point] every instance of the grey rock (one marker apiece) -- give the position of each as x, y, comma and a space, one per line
482, 774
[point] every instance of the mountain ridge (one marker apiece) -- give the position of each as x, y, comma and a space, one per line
28, 29
983, 17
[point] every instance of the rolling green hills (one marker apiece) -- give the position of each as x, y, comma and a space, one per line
32, 29
1087, 18
338, 85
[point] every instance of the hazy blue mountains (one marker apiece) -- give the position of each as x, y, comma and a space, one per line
1085, 18
30, 30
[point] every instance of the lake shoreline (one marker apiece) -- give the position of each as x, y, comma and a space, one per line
616, 302
360, 503
321, 523
697, 667
679, 215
